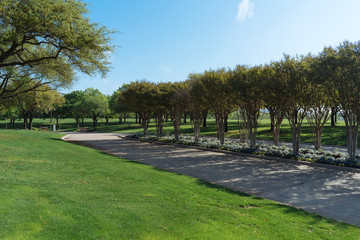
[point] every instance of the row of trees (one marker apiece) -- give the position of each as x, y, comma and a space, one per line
311, 87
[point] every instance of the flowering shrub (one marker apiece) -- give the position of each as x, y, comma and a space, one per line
308, 155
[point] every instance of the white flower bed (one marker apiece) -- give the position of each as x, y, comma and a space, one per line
308, 155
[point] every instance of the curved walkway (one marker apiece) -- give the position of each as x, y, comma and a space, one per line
328, 191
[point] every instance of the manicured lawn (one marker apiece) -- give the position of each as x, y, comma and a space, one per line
56, 190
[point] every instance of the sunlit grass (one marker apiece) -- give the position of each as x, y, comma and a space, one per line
52, 189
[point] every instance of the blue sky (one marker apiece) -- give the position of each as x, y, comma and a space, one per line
164, 40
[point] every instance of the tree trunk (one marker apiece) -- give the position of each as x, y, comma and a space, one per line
94, 122
204, 121
185, 114
177, 122
140, 119
31, 122
272, 120
333, 115
25, 123
276, 135
295, 132
120, 119
77, 123
197, 127
82, 122
226, 124
352, 128
125, 118
106, 120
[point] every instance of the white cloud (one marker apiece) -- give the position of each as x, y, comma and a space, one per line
166, 68
246, 9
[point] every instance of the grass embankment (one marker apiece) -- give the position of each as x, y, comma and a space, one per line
331, 135
57, 190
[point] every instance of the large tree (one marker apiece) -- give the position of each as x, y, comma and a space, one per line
45, 42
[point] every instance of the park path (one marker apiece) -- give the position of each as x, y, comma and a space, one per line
326, 190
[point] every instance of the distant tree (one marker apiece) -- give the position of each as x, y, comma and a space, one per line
36, 102
161, 105
72, 107
138, 96
45, 42
94, 104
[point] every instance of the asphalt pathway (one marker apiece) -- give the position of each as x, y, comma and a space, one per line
328, 191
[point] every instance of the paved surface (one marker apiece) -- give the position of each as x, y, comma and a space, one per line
330, 192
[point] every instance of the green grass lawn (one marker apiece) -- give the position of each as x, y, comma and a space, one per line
331, 135
52, 189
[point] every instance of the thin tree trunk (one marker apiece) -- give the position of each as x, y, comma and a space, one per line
31, 122
185, 114
125, 118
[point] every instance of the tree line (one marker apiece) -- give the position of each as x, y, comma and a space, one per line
310, 87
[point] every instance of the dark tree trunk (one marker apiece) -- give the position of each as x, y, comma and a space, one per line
106, 120
140, 119
136, 118
167, 118
124, 117
204, 122
120, 119
31, 122
333, 117
185, 115
82, 122
94, 122
226, 124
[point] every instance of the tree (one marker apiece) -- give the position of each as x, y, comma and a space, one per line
138, 96
94, 104
320, 102
292, 71
178, 102
197, 107
219, 96
273, 86
341, 66
73, 106
246, 83
45, 42
161, 105
35, 102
